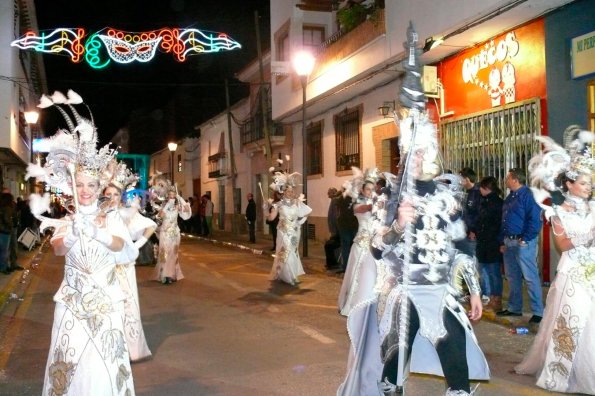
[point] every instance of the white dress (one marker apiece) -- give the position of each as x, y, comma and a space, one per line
168, 265
287, 265
562, 356
360, 252
126, 273
88, 353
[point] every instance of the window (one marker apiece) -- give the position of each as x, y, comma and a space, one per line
314, 148
347, 138
591, 104
283, 48
313, 38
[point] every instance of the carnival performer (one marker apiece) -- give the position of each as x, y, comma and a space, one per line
420, 299
562, 356
140, 229
168, 268
293, 212
361, 268
364, 366
88, 354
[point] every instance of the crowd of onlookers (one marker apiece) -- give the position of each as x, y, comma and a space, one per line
15, 217
201, 222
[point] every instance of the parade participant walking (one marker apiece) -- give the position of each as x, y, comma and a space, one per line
88, 352
168, 268
361, 268
521, 224
562, 356
419, 302
348, 225
293, 212
333, 244
273, 223
140, 229
251, 217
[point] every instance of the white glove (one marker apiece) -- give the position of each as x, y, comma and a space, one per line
140, 242
182, 202
99, 234
265, 207
69, 240
78, 224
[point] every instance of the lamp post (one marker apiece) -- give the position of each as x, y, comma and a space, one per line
172, 149
303, 63
31, 118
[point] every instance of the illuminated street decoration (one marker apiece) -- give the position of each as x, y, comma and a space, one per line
106, 45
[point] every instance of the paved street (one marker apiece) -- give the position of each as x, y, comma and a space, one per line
227, 330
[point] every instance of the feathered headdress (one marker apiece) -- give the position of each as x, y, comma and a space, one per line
574, 159
353, 187
73, 147
123, 177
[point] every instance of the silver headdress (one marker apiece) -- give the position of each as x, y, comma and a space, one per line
73, 147
353, 187
123, 177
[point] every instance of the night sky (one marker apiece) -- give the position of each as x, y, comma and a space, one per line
163, 97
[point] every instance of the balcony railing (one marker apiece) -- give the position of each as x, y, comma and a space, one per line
218, 165
253, 131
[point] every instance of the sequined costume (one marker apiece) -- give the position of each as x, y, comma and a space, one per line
438, 327
168, 265
126, 273
88, 354
562, 356
287, 265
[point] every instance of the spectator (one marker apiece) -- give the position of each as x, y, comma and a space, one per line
208, 219
201, 216
333, 244
195, 219
521, 223
251, 217
6, 213
487, 251
273, 223
468, 244
348, 225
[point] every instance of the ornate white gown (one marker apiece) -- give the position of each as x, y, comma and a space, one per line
168, 265
361, 268
126, 273
88, 354
287, 265
562, 356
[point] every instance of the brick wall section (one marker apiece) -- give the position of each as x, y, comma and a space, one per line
380, 136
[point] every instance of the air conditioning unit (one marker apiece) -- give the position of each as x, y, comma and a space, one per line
430, 81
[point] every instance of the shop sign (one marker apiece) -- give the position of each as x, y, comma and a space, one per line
583, 55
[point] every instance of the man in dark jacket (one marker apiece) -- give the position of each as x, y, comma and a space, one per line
470, 211
347, 223
251, 217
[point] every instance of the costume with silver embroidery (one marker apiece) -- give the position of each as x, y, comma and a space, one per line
562, 356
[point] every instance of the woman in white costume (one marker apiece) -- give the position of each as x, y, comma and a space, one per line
293, 212
562, 356
168, 264
361, 267
140, 229
88, 353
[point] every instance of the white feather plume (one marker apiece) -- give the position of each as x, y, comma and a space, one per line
45, 102
59, 98
36, 171
73, 97
39, 204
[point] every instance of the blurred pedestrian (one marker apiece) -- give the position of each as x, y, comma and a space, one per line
251, 217
6, 213
348, 225
208, 219
333, 245
273, 223
488, 248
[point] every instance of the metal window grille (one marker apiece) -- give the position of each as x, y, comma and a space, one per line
347, 139
492, 142
314, 148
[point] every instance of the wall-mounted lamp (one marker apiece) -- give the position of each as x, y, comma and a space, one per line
433, 42
386, 109
31, 117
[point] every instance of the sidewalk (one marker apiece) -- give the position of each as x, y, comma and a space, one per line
12, 285
315, 262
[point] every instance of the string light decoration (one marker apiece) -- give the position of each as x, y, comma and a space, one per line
109, 44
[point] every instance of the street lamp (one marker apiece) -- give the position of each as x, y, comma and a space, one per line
303, 63
172, 149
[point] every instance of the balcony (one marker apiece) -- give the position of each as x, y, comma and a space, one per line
346, 41
218, 165
252, 133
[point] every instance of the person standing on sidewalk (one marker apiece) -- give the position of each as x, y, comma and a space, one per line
562, 357
251, 217
6, 213
487, 251
348, 225
334, 242
521, 224
208, 217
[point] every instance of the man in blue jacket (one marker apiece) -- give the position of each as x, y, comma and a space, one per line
521, 224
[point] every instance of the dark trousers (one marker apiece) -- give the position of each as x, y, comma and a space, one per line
331, 251
273, 230
347, 237
252, 230
451, 349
